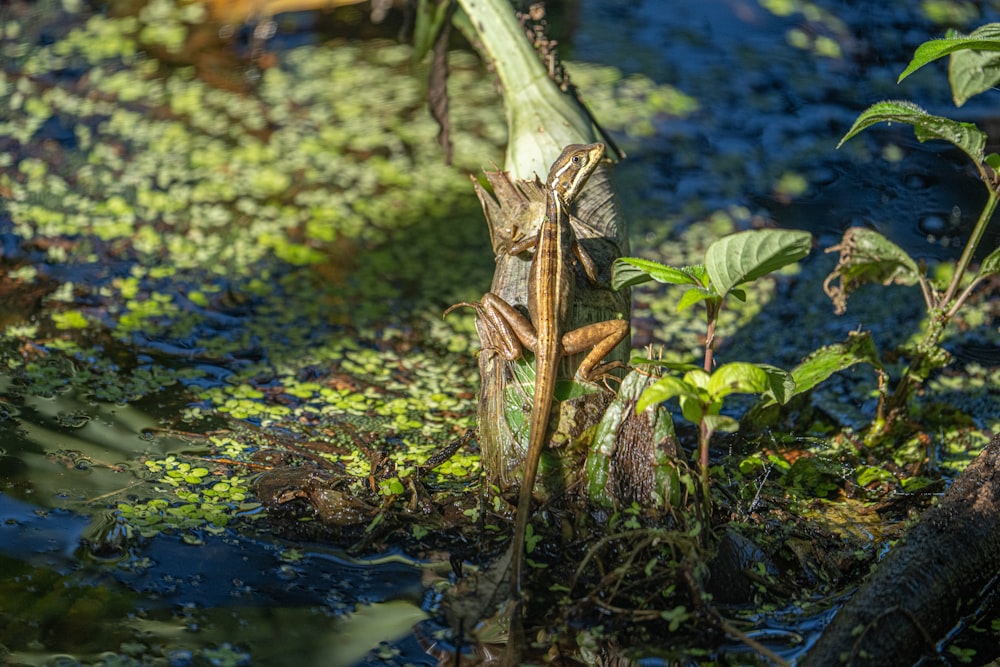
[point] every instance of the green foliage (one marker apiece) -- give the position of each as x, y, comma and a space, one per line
868, 257
813, 477
989, 266
965, 136
192, 497
975, 60
731, 261
742, 258
859, 348
702, 394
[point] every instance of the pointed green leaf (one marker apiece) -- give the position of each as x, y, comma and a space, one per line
972, 72
738, 377
971, 63
624, 273
859, 348
628, 271
722, 423
693, 296
939, 48
781, 384
746, 256
662, 390
966, 136
990, 265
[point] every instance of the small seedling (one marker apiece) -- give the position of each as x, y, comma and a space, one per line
866, 256
730, 262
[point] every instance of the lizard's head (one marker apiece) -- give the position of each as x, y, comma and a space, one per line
571, 170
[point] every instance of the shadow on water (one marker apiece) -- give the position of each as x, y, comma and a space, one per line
79, 581
184, 602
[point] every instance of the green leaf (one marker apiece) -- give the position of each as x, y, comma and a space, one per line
693, 296
624, 273
971, 73
865, 475
746, 256
628, 271
966, 136
859, 348
990, 265
984, 38
867, 257
663, 390
973, 67
738, 377
781, 385
698, 378
721, 423
692, 409
70, 319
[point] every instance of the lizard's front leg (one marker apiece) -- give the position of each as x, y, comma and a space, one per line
602, 337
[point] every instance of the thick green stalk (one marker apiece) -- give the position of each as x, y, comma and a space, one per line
541, 119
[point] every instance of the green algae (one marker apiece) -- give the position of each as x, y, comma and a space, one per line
221, 205
629, 104
193, 497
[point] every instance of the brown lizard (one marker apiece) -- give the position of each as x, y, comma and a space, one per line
551, 285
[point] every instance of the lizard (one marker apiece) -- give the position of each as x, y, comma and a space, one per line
551, 284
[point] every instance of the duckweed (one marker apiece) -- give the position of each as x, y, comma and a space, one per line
243, 253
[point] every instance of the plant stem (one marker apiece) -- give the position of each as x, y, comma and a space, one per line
928, 355
970, 247
713, 307
704, 435
709, 346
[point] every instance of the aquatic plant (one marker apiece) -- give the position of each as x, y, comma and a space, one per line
868, 257
730, 262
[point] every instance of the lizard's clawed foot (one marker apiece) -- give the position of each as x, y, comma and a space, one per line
602, 375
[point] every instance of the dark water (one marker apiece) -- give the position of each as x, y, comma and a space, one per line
769, 110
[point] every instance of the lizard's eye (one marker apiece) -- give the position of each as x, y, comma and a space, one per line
576, 159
